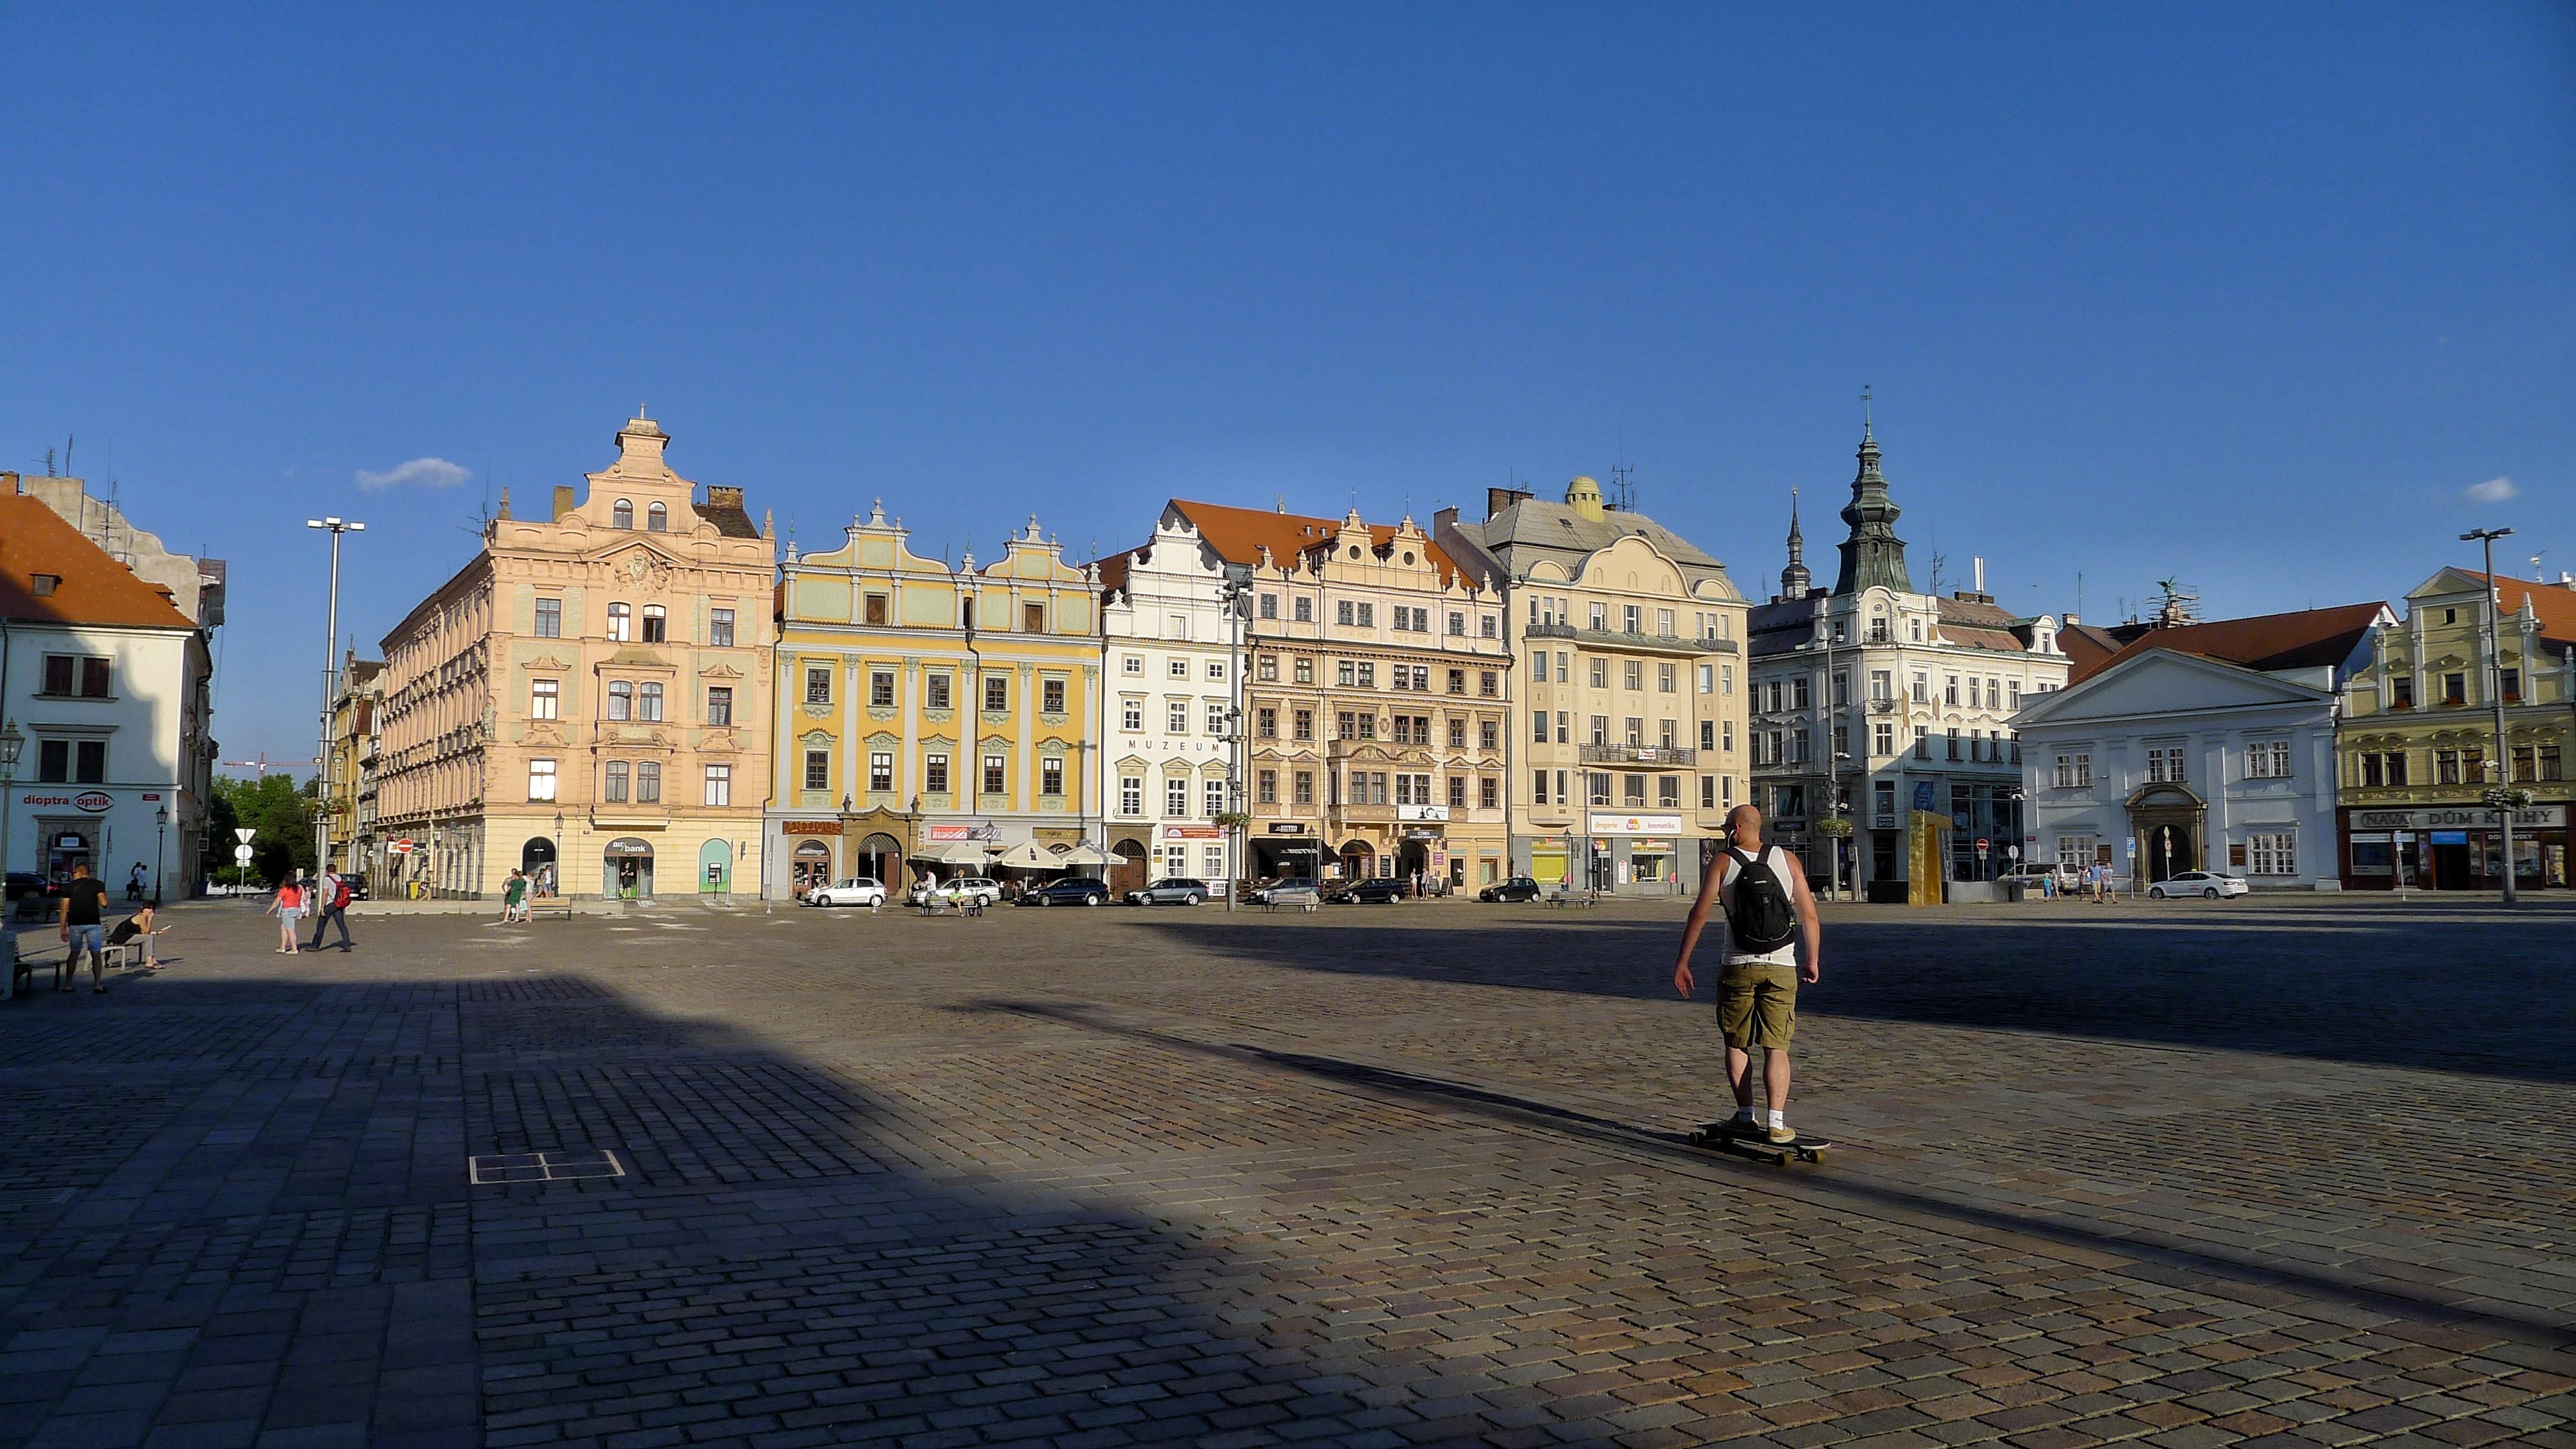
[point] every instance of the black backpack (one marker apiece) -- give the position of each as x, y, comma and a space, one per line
1762, 918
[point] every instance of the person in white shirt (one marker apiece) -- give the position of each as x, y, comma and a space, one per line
1774, 941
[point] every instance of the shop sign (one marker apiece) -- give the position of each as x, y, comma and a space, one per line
1650, 845
1604, 823
93, 802
629, 848
1193, 832
939, 833
1287, 827
1422, 812
2474, 817
811, 827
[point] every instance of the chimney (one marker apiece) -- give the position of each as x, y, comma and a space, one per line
563, 501
1980, 569
10, 481
720, 497
1444, 518
1498, 499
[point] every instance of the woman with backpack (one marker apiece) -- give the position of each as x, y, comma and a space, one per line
288, 906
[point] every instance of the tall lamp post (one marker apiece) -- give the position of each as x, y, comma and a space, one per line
1233, 593
2495, 692
330, 689
11, 742
160, 836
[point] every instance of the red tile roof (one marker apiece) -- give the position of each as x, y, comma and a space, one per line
2088, 647
2554, 604
94, 587
2299, 640
1237, 534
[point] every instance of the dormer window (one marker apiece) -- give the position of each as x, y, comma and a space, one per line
623, 514
657, 519
45, 584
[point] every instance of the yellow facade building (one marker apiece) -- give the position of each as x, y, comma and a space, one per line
928, 716
586, 699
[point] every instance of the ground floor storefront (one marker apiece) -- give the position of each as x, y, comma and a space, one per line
804, 849
1626, 855
1436, 855
2452, 848
614, 858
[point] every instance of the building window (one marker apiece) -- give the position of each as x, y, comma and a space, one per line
1265, 722
2512, 685
657, 624
1668, 791
1346, 674
1176, 717
2549, 763
935, 691
1458, 681
621, 514
1305, 786
1050, 696
992, 774
648, 702
1215, 797
1178, 668
1305, 611
615, 790
2455, 689
1457, 734
719, 780
1051, 774
2164, 765
1667, 679
720, 628
1708, 792
1301, 724
1305, 671
997, 693
2074, 852
621, 623
1131, 715
1597, 785
1343, 613
881, 689
2074, 772
2272, 853
1176, 796
1265, 787
1950, 690
657, 519
1882, 739
648, 782
1538, 779
1632, 673
872, 608
1270, 606
818, 684
1131, 795
1489, 734
2267, 760
621, 700
881, 771
1032, 618
1488, 792
543, 697
2446, 767
1266, 669
549, 618
818, 770
2401, 692
1708, 734
1922, 689
934, 774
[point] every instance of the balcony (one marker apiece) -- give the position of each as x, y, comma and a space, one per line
1882, 704
1668, 756
1613, 639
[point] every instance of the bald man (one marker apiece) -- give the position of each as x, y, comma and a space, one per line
1774, 941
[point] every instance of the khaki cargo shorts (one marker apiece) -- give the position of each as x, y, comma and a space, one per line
1757, 1003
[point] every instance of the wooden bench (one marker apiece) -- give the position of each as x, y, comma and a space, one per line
550, 906
1584, 900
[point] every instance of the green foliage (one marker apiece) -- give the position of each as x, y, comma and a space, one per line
275, 806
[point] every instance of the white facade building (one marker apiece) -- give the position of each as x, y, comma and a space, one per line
2170, 758
1170, 721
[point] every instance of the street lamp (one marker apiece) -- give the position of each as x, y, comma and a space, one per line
160, 834
558, 882
2495, 691
1234, 594
11, 742
330, 686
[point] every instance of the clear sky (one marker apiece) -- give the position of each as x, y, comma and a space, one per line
2250, 295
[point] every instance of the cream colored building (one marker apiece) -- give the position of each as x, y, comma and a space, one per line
590, 694
1168, 727
1628, 705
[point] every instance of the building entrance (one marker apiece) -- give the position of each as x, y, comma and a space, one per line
880, 858
2168, 852
809, 868
2451, 861
627, 866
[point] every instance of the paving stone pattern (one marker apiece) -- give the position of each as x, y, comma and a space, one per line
2274, 1172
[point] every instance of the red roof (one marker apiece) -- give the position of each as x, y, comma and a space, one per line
2299, 640
2553, 604
1238, 534
92, 587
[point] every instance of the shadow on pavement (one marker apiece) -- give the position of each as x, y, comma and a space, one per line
2432, 986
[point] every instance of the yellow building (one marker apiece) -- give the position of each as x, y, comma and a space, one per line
2417, 750
345, 797
928, 716
585, 698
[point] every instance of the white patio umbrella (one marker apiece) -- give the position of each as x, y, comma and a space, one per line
955, 852
1026, 856
1087, 855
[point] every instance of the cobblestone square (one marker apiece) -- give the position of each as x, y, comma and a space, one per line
2288, 1172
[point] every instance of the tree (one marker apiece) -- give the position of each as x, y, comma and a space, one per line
281, 811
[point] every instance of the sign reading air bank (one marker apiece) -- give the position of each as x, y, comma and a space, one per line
1604, 823
2470, 817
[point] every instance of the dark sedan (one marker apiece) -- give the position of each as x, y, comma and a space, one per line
1518, 888
1376, 890
1072, 890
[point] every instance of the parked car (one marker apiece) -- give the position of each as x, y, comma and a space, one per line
1292, 892
2031, 876
1518, 888
1071, 890
1376, 890
357, 880
1171, 890
858, 890
983, 890
2212, 884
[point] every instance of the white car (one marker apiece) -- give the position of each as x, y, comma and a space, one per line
2212, 884
858, 890
982, 890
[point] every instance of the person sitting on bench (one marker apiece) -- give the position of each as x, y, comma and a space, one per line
139, 927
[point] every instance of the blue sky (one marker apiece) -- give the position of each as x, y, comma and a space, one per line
2248, 295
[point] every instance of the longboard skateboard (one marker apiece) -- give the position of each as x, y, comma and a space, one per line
1731, 1136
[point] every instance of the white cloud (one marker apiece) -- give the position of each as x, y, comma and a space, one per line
2494, 490
419, 472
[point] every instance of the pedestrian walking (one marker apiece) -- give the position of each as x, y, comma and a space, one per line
134, 883
1774, 941
514, 895
83, 898
330, 904
288, 906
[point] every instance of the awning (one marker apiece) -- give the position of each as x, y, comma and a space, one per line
1026, 856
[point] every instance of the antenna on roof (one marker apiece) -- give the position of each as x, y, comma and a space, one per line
1623, 487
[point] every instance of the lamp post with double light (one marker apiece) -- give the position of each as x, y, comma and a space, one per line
160, 838
330, 690
11, 742
2495, 692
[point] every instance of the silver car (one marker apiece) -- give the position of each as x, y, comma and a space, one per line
1171, 890
858, 890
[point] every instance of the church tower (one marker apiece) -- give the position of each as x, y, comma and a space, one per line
1872, 556
1794, 581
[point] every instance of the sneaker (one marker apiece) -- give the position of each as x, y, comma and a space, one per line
1782, 1134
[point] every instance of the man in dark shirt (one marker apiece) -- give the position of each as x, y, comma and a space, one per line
83, 900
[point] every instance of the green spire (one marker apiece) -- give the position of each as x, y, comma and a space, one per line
1873, 556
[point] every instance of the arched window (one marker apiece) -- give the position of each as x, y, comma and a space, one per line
656, 627
649, 706
657, 519
623, 515
621, 700
621, 621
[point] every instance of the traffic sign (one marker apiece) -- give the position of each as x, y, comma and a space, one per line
241, 855
402, 847
243, 834
1981, 845
2132, 846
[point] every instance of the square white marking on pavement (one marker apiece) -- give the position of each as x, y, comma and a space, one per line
543, 1166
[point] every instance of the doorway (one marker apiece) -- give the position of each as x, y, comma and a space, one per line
1412, 857
1359, 860
2169, 852
2451, 861
627, 868
880, 858
1127, 873
810, 868
537, 863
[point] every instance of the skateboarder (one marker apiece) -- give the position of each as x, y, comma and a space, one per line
1770, 924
